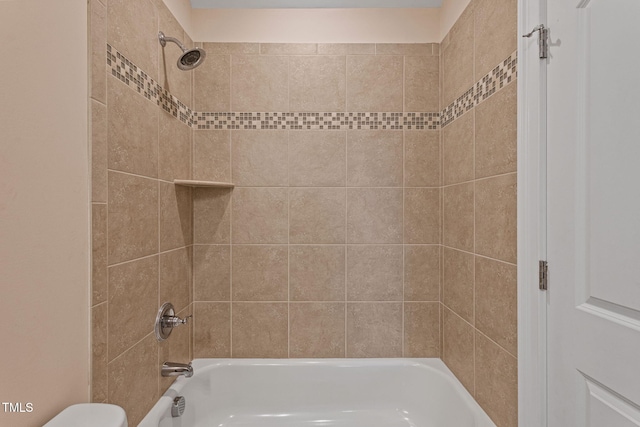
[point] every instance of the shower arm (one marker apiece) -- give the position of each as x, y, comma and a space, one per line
164, 39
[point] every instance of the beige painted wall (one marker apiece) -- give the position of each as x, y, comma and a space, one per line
44, 200
450, 11
181, 10
316, 25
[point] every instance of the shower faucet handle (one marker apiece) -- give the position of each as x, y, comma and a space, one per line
173, 321
166, 320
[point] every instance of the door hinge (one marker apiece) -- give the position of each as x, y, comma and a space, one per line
543, 275
543, 40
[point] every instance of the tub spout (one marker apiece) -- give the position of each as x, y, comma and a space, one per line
172, 369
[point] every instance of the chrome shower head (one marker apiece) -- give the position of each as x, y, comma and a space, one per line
190, 58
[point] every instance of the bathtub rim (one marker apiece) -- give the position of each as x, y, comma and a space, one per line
203, 365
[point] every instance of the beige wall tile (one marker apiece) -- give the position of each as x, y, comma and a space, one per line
317, 83
98, 27
317, 329
421, 158
212, 155
132, 28
317, 159
374, 329
288, 48
346, 49
374, 158
133, 303
133, 379
497, 302
496, 25
175, 216
260, 330
98, 253
212, 80
175, 278
98, 151
132, 200
459, 216
174, 149
442, 308
421, 273
421, 329
99, 353
496, 382
496, 217
259, 273
421, 80
374, 273
260, 215
173, 79
132, 130
459, 285
374, 215
211, 329
457, 58
259, 158
232, 48
317, 273
374, 83
317, 215
415, 49
259, 83
458, 348
422, 215
212, 215
175, 349
458, 150
211, 272
497, 133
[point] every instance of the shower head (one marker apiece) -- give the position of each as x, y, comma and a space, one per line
190, 58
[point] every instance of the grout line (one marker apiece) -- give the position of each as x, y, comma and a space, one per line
309, 244
473, 181
312, 301
128, 349
346, 237
404, 201
147, 256
288, 247
479, 255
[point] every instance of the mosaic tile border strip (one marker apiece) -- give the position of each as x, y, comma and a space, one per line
318, 121
130, 74
495, 80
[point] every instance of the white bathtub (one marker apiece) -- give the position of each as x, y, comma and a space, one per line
319, 393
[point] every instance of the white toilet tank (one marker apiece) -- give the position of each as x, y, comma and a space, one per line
90, 415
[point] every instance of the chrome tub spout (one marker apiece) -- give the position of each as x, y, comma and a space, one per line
172, 369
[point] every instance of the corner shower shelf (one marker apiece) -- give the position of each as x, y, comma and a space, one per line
196, 183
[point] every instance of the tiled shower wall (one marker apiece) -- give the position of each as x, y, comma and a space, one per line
357, 227
329, 245
479, 210
142, 233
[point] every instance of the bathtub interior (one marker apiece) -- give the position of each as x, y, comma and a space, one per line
320, 393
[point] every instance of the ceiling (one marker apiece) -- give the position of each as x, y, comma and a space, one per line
312, 4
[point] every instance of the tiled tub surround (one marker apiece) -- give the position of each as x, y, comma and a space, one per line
479, 292
329, 245
141, 223
338, 238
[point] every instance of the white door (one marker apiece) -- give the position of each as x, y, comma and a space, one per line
594, 213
